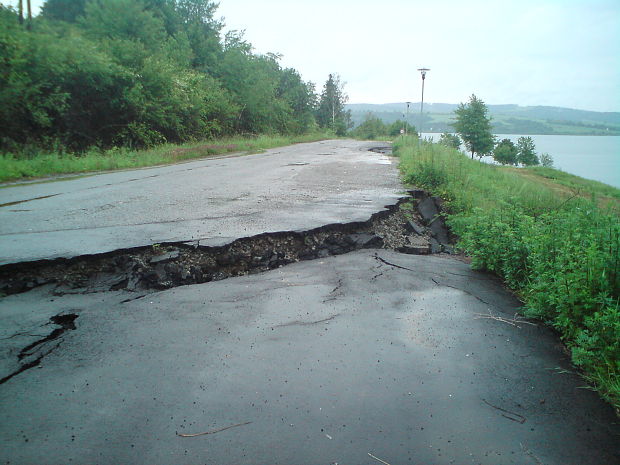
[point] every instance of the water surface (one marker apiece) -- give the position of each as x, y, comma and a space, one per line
591, 157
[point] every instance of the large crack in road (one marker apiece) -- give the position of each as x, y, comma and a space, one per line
405, 227
362, 347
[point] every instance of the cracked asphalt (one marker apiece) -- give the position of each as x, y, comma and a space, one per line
350, 359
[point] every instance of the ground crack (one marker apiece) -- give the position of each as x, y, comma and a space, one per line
306, 323
42, 347
392, 264
168, 265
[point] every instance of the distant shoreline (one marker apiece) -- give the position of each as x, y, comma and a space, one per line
534, 134
505, 119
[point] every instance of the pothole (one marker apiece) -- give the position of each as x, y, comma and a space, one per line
384, 149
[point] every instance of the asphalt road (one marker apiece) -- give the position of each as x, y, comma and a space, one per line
329, 360
213, 200
352, 359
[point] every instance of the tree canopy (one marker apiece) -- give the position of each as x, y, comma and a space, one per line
505, 152
330, 112
138, 73
473, 124
527, 151
450, 140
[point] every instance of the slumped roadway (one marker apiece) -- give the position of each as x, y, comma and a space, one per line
319, 362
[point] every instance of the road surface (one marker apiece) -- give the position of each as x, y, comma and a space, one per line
352, 359
213, 200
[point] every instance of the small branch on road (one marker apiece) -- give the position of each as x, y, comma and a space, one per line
462, 290
378, 459
213, 431
515, 416
515, 321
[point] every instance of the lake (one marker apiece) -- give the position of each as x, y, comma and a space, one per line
591, 157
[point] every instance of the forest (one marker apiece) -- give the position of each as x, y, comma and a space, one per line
139, 73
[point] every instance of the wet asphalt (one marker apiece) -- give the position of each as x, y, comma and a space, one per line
213, 201
318, 362
365, 358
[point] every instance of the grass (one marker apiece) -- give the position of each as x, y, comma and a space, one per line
554, 238
41, 164
467, 183
571, 181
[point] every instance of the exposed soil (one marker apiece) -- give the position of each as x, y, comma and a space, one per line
402, 227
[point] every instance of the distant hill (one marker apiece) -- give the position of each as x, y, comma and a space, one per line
506, 119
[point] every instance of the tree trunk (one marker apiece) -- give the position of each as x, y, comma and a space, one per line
472, 154
20, 9
29, 26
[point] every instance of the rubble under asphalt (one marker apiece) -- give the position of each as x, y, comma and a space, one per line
413, 225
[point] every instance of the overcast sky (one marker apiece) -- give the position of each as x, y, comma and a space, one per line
528, 52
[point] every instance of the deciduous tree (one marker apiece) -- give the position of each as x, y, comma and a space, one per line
546, 160
474, 126
526, 151
371, 128
64, 10
505, 152
450, 140
397, 126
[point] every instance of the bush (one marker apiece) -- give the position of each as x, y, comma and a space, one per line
371, 128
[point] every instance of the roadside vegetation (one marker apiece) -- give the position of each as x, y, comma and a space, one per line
94, 84
554, 238
43, 164
373, 128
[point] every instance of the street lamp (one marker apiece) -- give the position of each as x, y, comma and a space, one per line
407, 118
423, 72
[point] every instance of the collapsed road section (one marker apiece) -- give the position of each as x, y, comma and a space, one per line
414, 225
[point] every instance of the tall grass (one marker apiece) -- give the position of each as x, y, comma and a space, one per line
40, 164
555, 247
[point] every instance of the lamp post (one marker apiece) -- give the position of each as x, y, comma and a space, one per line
407, 118
423, 72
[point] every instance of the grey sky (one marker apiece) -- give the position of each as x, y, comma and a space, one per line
528, 52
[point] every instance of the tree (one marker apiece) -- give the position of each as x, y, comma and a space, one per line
371, 128
474, 127
526, 151
450, 140
505, 152
546, 160
331, 113
300, 96
126, 20
397, 126
64, 10
203, 31
140, 72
